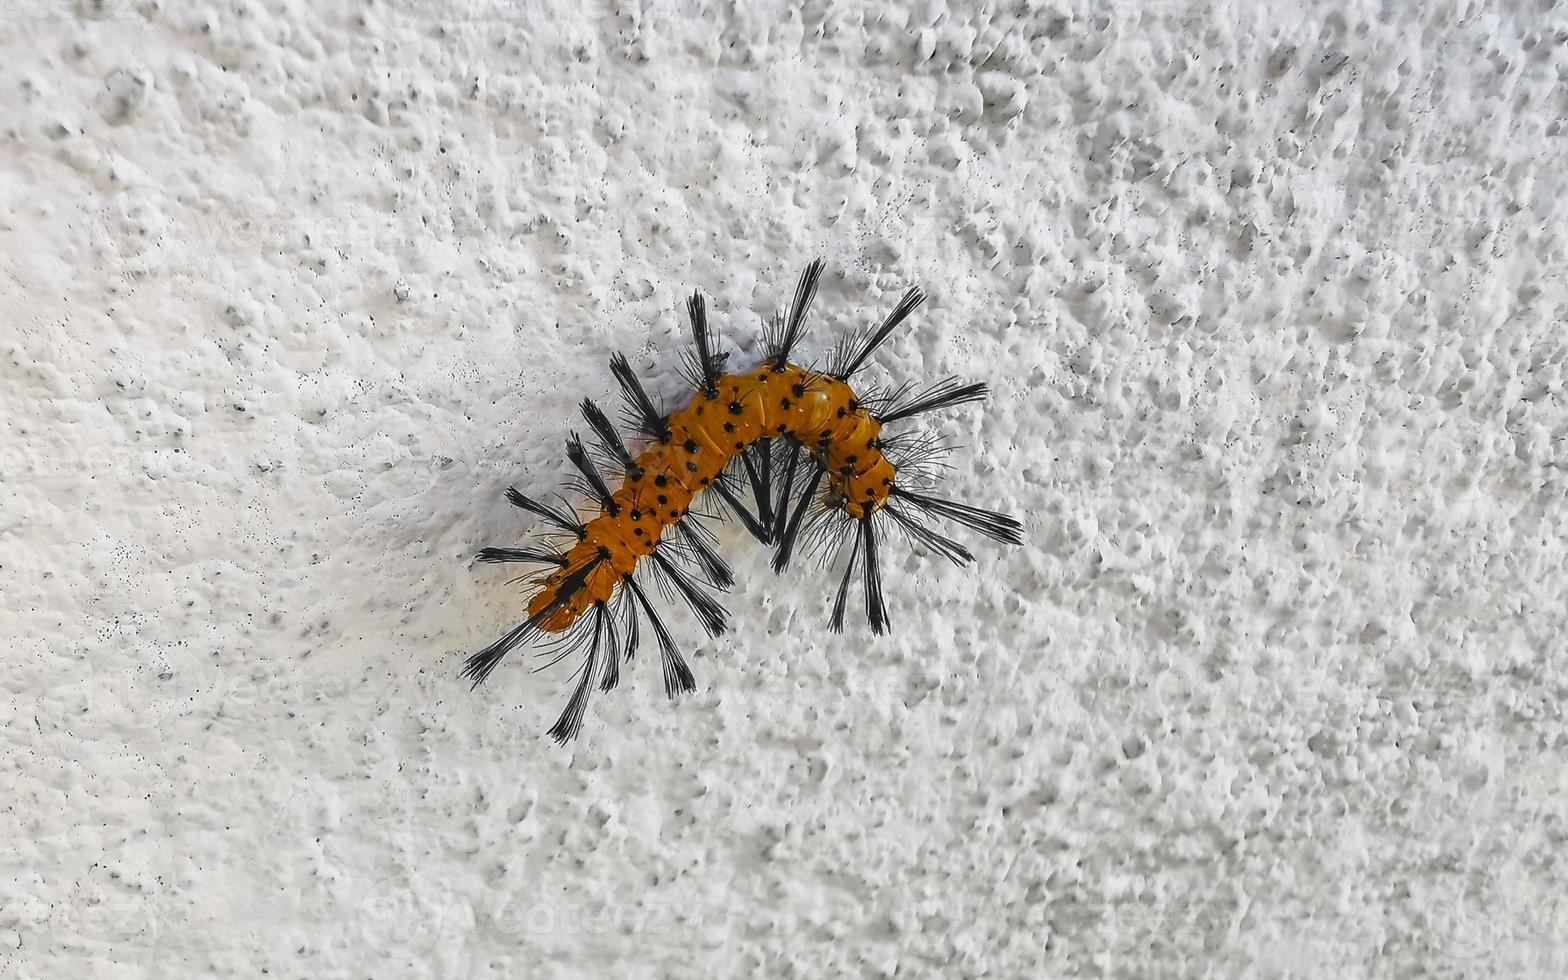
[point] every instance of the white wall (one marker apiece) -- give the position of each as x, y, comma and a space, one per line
1272, 302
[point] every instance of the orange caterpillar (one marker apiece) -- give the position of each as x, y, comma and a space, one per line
782, 426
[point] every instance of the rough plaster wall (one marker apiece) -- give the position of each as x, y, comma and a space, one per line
1271, 299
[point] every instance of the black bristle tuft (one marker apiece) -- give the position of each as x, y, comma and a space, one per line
943, 394
593, 483
567, 643
758, 463
739, 509
781, 343
706, 365
612, 658
876, 608
699, 545
708, 611
608, 440
919, 457
570, 723
786, 541
678, 678
640, 411
852, 356
998, 527
623, 597
781, 507
561, 518
478, 667
920, 534
836, 623
498, 555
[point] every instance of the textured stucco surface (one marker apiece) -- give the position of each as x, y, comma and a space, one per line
1272, 300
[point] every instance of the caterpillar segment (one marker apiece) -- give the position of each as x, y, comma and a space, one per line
793, 431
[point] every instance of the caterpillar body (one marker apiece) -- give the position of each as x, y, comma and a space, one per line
814, 455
